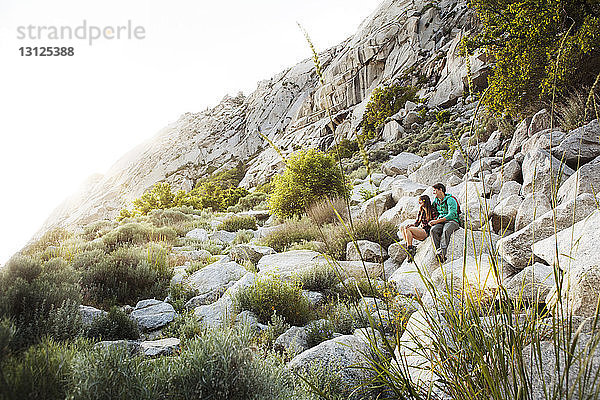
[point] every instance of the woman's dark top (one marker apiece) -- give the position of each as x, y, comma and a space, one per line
422, 221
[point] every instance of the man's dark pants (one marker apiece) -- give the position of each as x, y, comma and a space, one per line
440, 233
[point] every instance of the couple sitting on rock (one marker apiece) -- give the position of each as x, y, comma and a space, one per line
440, 219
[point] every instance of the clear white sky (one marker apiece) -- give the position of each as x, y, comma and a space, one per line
64, 118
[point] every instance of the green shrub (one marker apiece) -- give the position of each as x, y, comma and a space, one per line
41, 372
309, 176
220, 365
111, 373
344, 317
443, 117
292, 231
337, 236
34, 298
275, 328
53, 237
114, 325
321, 278
185, 326
181, 293
238, 222
256, 200
540, 49
267, 294
384, 102
7, 335
98, 229
344, 149
319, 331
243, 236
124, 276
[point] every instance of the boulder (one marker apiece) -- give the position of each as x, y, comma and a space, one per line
478, 243
532, 284
162, 347
406, 187
377, 205
580, 145
410, 118
542, 172
248, 318
406, 208
198, 234
580, 290
532, 206
577, 245
468, 191
340, 356
152, 314
288, 265
585, 180
546, 140
458, 162
386, 183
132, 347
472, 278
397, 252
392, 131
90, 314
249, 252
540, 121
408, 280
510, 171
475, 213
389, 267
504, 214
547, 370
519, 136
370, 251
293, 341
516, 248
196, 255
508, 189
223, 310
358, 191
222, 237
314, 298
434, 171
215, 278
400, 163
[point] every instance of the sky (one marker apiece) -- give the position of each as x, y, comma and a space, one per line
65, 118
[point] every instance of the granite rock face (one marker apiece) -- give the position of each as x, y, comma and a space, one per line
290, 109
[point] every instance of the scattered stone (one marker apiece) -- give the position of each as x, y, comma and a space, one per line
377, 205
131, 346
543, 172
293, 341
314, 298
392, 131
532, 206
215, 278
162, 347
580, 145
152, 314
90, 314
585, 180
370, 251
400, 163
198, 234
222, 237
397, 252
436, 171
504, 214
508, 189
532, 284
249, 252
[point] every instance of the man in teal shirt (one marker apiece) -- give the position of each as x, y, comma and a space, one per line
447, 222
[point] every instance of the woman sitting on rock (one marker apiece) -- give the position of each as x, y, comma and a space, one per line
420, 229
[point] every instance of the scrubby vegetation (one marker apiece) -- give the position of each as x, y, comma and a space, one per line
238, 222
385, 102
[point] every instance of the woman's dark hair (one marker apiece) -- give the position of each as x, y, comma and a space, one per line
429, 210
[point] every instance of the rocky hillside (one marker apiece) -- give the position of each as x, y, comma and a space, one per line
290, 107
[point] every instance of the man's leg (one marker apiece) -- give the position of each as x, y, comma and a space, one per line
448, 229
436, 235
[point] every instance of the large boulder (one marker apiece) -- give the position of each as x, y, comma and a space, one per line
516, 248
477, 244
406, 208
400, 163
392, 131
290, 264
215, 278
576, 245
504, 214
340, 356
542, 172
532, 284
508, 189
377, 205
152, 314
434, 171
585, 180
545, 365
406, 187
249, 252
471, 277
532, 206
397, 252
510, 171
409, 280
358, 191
519, 136
580, 290
580, 146
222, 237
370, 251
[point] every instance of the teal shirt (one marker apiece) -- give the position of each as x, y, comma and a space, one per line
447, 208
